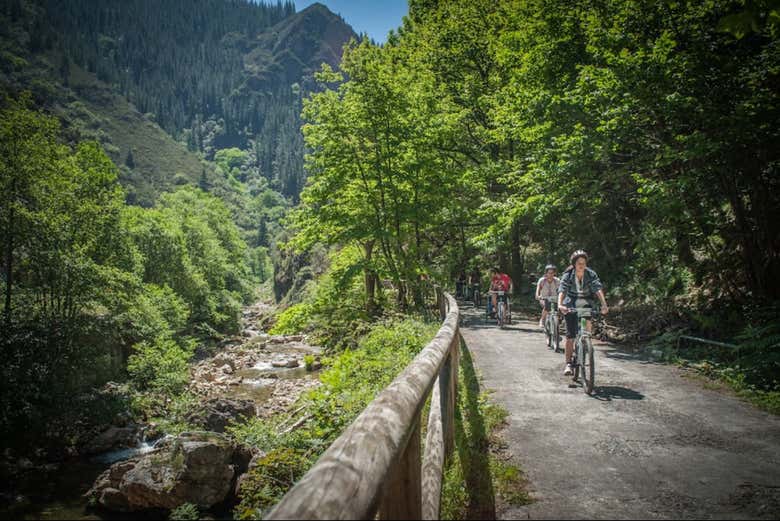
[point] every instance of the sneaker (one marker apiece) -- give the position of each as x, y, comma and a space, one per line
568, 371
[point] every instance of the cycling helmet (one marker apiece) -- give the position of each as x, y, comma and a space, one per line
550, 267
576, 255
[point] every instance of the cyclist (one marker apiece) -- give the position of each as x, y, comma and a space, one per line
547, 287
498, 282
460, 285
579, 285
475, 278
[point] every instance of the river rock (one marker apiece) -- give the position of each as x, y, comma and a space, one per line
215, 414
244, 474
113, 499
196, 468
292, 364
112, 438
224, 359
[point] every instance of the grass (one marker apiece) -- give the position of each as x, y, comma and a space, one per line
716, 370
481, 474
159, 159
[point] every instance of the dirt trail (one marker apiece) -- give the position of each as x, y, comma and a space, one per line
651, 443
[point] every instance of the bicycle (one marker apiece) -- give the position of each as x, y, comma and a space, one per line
475, 295
551, 327
503, 311
583, 360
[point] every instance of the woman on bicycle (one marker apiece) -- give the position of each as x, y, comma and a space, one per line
579, 286
547, 287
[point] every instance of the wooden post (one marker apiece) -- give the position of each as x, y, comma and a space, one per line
449, 388
403, 493
433, 458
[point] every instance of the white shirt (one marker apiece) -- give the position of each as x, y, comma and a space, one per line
548, 288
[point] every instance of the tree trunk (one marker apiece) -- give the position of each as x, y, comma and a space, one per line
516, 259
370, 279
9, 271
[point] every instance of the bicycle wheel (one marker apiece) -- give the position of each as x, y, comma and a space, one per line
588, 367
500, 314
556, 334
548, 332
578, 359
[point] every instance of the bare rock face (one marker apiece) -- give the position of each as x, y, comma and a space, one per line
215, 414
194, 468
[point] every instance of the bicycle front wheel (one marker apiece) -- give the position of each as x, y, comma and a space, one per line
548, 332
556, 335
578, 357
588, 367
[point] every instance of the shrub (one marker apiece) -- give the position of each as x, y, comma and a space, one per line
292, 320
160, 366
185, 512
274, 474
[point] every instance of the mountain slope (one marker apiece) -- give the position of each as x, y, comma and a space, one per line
214, 74
296, 47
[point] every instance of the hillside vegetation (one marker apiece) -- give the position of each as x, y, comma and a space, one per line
75, 76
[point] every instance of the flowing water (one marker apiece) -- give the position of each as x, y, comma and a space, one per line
60, 494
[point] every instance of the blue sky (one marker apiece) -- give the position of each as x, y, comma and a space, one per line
375, 17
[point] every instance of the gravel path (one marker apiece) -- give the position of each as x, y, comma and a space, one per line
652, 443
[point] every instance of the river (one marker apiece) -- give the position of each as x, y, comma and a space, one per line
57, 491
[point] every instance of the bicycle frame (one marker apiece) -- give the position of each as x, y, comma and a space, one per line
583, 314
583, 359
551, 323
502, 306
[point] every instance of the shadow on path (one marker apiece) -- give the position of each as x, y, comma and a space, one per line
473, 444
608, 393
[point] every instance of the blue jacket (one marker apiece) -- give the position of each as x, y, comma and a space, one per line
590, 281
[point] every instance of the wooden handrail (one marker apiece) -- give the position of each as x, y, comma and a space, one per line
376, 464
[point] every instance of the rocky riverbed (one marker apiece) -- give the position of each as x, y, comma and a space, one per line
128, 469
267, 370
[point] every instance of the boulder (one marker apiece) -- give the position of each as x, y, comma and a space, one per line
292, 364
244, 473
195, 468
223, 359
112, 438
215, 414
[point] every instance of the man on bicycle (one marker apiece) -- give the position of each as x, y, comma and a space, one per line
475, 278
547, 287
579, 285
499, 282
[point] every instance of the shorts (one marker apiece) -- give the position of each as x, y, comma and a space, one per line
547, 305
573, 323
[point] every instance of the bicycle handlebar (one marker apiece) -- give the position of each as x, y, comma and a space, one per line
585, 312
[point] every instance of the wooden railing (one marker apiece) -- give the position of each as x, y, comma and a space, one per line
376, 465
